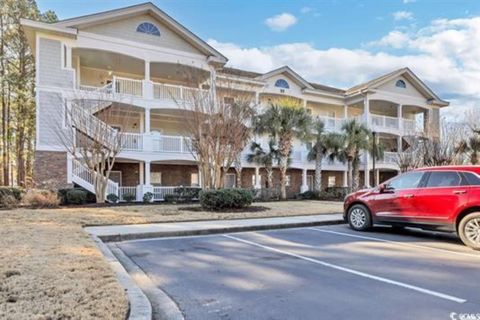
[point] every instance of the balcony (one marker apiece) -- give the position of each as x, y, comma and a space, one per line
154, 142
132, 88
394, 125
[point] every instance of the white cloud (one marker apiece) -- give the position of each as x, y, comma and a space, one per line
443, 54
281, 22
395, 39
402, 15
305, 10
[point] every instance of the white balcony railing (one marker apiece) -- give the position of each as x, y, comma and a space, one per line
332, 124
411, 127
152, 142
385, 122
174, 92
131, 191
389, 158
132, 141
128, 86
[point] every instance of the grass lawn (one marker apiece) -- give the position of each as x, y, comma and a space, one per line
51, 269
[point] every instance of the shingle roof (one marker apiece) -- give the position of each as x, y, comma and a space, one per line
327, 88
240, 73
367, 84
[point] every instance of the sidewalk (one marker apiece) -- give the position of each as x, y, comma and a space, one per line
175, 229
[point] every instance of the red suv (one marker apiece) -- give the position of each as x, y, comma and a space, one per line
439, 198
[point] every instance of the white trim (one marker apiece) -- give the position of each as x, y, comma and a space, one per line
47, 27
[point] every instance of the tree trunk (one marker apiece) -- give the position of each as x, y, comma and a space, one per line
356, 174
269, 177
349, 176
238, 171
283, 177
318, 171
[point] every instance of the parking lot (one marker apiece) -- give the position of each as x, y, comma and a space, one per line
327, 272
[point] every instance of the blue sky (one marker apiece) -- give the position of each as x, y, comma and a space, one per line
334, 42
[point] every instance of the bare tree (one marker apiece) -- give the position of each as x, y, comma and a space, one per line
218, 120
88, 138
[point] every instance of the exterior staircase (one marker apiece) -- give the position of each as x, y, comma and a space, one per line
90, 125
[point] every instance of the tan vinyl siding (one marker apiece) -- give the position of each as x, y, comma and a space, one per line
126, 29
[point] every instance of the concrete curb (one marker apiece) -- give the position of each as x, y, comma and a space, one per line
163, 306
182, 233
140, 307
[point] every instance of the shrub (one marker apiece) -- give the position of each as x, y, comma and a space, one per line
266, 194
76, 196
41, 199
334, 193
170, 198
11, 191
129, 197
148, 197
112, 197
8, 201
216, 200
308, 195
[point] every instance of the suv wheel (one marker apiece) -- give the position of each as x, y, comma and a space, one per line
469, 230
359, 218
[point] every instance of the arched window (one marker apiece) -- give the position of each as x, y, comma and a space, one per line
148, 28
400, 84
282, 83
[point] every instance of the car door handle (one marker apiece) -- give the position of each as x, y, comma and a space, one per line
460, 191
410, 195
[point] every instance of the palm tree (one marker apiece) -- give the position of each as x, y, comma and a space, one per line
471, 146
264, 158
284, 121
357, 138
324, 144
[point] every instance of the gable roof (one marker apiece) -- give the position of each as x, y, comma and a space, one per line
409, 75
286, 69
144, 8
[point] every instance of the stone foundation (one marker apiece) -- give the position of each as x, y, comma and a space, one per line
50, 170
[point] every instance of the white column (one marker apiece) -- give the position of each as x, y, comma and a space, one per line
69, 168
257, 178
304, 103
257, 98
147, 70
366, 110
399, 144
345, 179
199, 177
141, 173
147, 121
400, 118
147, 172
304, 186
367, 177
345, 111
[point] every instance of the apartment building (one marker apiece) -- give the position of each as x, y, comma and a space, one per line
132, 57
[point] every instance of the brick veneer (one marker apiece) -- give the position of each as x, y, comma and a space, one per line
50, 169
175, 175
130, 173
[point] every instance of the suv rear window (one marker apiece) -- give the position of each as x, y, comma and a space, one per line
444, 179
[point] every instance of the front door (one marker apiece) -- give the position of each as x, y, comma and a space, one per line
398, 200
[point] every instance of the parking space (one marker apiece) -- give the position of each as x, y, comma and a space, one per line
327, 272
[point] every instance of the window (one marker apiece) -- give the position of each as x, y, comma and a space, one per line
409, 180
288, 180
116, 176
156, 178
148, 28
400, 84
332, 181
194, 181
472, 178
230, 180
282, 83
444, 179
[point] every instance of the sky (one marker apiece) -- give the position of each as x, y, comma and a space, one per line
335, 42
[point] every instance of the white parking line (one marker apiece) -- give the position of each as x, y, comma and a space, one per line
351, 271
394, 242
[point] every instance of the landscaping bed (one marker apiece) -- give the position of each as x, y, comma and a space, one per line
51, 269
